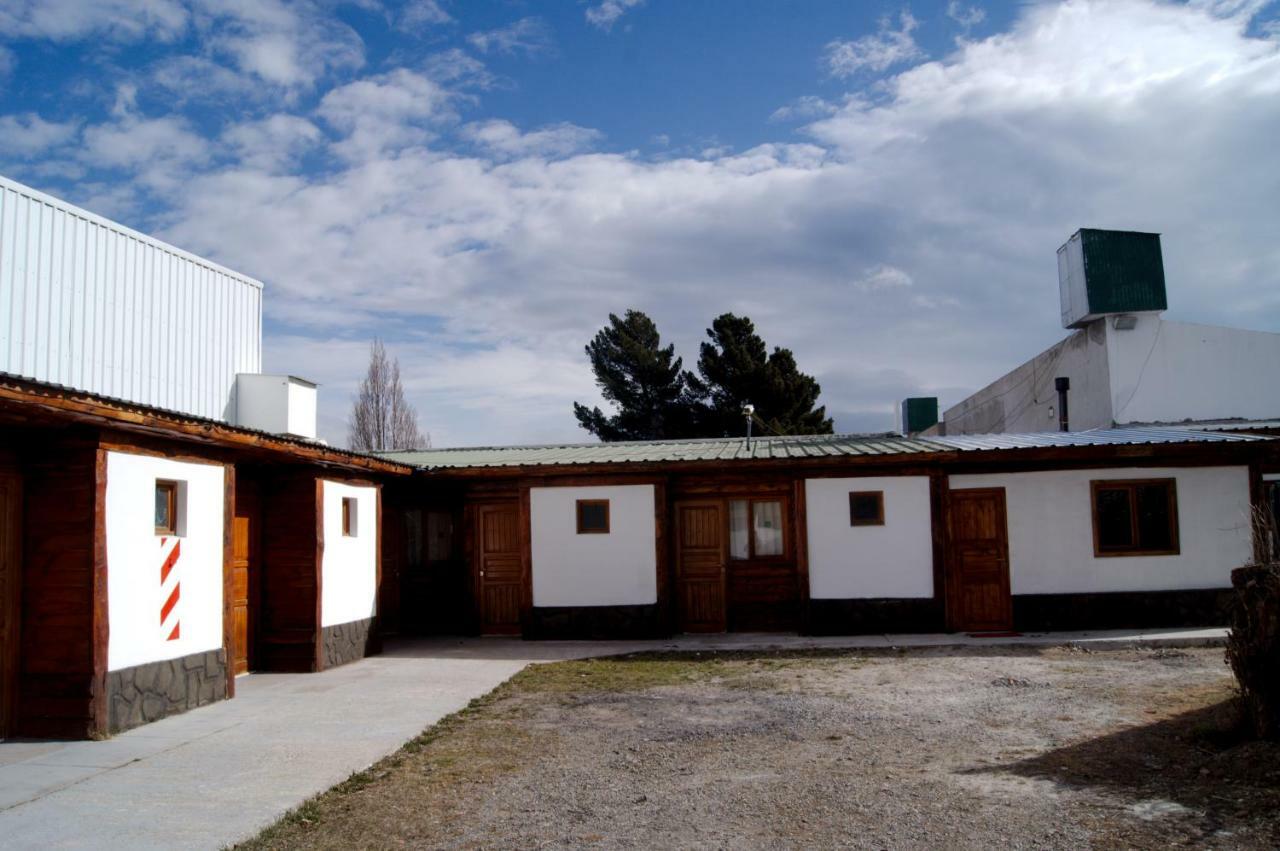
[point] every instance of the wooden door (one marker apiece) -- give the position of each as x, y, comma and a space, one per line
978, 595
244, 565
499, 569
700, 566
10, 585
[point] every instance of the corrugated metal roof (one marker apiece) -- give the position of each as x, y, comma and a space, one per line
775, 448
30, 385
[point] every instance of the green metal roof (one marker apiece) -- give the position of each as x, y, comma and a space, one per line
735, 449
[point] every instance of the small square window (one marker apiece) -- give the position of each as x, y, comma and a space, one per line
166, 508
593, 517
350, 517
866, 508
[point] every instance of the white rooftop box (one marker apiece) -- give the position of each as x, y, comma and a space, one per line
283, 404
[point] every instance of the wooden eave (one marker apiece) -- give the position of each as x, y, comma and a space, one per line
30, 403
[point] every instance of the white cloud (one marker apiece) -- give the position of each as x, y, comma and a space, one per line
28, 135
423, 14
883, 277
908, 250
290, 45
805, 108
272, 144
383, 113
506, 140
879, 52
605, 14
527, 35
965, 15
69, 20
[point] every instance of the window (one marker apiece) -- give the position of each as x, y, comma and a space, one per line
866, 508
1135, 517
350, 517
593, 517
166, 507
756, 529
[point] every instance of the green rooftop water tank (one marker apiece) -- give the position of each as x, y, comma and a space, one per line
919, 413
1109, 271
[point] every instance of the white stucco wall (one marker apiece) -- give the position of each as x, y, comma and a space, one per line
1025, 400
848, 562
1164, 371
349, 564
1051, 531
617, 569
135, 554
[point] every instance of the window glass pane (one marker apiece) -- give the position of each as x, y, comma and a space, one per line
439, 535
768, 528
1115, 528
1155, 529
864, 508
593, 516
163, 505
738, 529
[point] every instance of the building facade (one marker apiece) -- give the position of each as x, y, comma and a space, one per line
1123, 363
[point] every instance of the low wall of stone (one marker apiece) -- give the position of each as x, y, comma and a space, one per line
347, 642
147, 693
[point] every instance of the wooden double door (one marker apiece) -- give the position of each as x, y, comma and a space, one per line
725, 585
978, 592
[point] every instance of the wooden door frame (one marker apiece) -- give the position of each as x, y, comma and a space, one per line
11, 598
952, 584
473, 513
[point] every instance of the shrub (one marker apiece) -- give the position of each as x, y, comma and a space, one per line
1253, 648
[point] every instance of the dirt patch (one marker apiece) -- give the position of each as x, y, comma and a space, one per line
1050, 748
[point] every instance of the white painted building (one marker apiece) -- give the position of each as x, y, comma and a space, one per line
1127, 366
90, 304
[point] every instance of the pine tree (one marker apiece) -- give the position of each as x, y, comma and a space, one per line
381, 418
642, 379
735, 369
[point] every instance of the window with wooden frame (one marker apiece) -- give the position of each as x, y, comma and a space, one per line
1136, 517
757, 529
350, 517
166, 507
866, 508
593, 516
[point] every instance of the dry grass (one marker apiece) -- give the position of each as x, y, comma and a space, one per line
1046, 748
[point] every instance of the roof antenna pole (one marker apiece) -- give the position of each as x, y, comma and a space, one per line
749, 411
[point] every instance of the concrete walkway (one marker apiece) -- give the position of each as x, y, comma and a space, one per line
221, 773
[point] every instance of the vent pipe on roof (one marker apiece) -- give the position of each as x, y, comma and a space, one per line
1062, 385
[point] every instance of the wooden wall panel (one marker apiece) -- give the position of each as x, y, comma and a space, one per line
289, 619
58, 680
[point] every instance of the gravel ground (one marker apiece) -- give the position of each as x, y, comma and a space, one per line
964, 748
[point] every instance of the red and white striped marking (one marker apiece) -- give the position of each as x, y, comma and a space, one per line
170, 589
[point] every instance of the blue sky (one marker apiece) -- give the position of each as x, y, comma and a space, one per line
881, 186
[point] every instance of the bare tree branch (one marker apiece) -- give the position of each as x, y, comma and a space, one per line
381, 418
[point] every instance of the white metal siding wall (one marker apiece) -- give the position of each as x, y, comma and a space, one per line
96, 306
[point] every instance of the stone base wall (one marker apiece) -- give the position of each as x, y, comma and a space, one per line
347, 642
863, 617
147, 693
595, 622
1122, 610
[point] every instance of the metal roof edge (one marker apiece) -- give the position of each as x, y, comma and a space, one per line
80, 212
